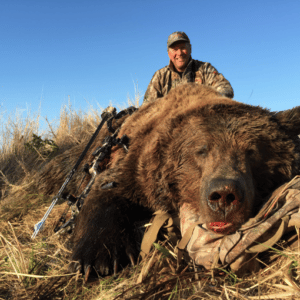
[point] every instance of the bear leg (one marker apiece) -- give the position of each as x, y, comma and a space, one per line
107, 234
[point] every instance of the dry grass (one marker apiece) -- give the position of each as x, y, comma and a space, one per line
38, 269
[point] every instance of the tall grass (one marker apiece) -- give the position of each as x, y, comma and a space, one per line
38, 269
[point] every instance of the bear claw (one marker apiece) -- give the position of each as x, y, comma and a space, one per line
75, 266
131, 259
104, 270
115, 267
87, 270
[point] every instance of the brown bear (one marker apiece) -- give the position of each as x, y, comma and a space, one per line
220, 156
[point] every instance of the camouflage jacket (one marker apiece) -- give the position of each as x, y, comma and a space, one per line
196, 71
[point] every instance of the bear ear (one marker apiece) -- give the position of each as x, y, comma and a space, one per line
290, 120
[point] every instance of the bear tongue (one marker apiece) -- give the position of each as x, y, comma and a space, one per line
220, 227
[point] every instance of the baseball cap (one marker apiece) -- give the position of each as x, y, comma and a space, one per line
177, 36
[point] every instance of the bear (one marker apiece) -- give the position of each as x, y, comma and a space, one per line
194, 146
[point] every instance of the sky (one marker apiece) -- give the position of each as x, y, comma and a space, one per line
96, 53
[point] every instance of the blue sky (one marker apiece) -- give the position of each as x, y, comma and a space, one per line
94, 51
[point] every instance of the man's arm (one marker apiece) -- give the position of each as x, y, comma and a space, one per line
213, 78
154, 89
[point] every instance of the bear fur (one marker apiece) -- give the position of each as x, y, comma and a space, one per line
193, 146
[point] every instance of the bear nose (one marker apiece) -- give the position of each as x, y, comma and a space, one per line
223, 198
224, 195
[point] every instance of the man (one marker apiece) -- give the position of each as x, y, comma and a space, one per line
182, 68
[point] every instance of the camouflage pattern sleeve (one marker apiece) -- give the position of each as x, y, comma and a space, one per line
213, 78
154, 89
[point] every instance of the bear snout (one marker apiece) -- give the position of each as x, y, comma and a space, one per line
224, 195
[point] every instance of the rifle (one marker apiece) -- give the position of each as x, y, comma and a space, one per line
108, 113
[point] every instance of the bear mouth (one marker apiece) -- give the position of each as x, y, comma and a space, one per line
221, 227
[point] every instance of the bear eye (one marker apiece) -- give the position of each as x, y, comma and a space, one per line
202, 151
250, 152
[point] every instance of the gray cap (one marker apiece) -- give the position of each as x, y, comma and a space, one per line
177, 36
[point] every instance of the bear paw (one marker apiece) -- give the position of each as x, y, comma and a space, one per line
107, 240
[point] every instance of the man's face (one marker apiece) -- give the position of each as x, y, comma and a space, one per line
179, 53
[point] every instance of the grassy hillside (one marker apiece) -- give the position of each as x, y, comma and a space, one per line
38, 269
